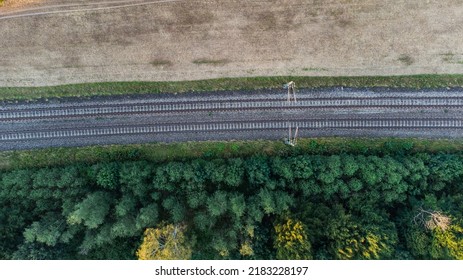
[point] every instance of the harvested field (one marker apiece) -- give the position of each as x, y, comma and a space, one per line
49, 42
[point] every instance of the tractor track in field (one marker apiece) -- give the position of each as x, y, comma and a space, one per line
78, 8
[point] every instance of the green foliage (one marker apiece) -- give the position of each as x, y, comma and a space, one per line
439, 241
342, 235
437, 244
257, 171
349, 206
50, 230
175, 208
107, 175
217, 204
136, 177
39, 251
163, 152
92, 210
147, 216
397, 146
237, 205
234, 173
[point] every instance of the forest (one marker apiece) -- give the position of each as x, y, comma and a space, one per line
398, 205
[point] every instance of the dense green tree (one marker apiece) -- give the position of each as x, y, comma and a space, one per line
92, 210
136, 177
301, 167
196, 198
217, 204
257, 171
283, 168
349, 165
175, 208
107, 175
50, 230
237, 205
234, 174
147, 216
40, 251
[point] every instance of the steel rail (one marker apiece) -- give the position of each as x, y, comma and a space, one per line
177, 107
315, 124
164, 101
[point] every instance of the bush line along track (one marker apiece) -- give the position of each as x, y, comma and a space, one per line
237, 126
232, 105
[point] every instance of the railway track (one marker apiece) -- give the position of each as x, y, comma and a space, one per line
367, 124
227, 105
236, 116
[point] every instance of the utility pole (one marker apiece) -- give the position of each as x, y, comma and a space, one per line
295, 136
291, 86
292, 141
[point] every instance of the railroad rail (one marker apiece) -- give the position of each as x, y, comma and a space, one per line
384, 124
231, 105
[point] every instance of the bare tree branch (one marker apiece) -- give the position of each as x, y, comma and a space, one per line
430, 219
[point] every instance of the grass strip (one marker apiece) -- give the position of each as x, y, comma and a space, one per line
118, 88
160, 152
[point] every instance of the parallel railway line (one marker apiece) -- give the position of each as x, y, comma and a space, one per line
197, 117
228, 105
241, 125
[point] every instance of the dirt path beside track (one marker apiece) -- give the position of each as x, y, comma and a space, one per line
49, 42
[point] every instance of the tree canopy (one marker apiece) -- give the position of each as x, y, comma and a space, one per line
394, 205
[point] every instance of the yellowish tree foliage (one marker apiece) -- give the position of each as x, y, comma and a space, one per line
451, 239
446, 237
246, 249
291, 241
167, 242
361, 247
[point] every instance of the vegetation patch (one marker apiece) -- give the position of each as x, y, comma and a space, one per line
314, 69
162, 153
448, 57
398, 205
161, 62
211, 61
251, 83
406, 59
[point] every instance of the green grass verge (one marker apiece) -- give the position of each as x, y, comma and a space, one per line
191, 150
116, 88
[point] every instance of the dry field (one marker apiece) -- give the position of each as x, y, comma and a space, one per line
48, 42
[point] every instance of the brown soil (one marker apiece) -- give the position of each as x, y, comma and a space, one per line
16, 4
56, 42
